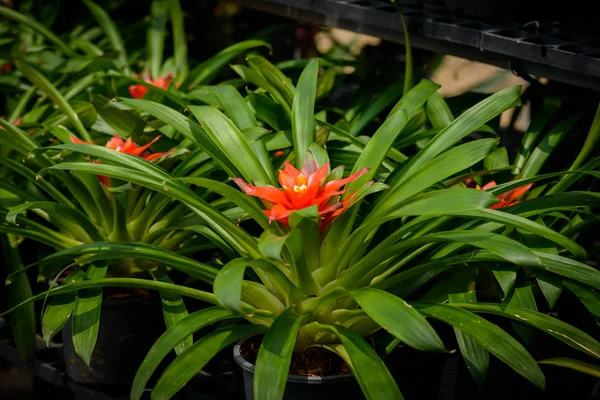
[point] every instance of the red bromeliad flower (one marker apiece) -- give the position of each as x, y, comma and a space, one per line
5, 67
138, 91
506, 199
126, 146
302, 189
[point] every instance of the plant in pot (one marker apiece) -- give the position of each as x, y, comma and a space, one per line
65, 210
340, 258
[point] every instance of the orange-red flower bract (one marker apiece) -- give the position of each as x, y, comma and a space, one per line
505, 199
126, 146
138, 91
302, 189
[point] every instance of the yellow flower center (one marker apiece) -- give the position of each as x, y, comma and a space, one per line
300, 186
300, 189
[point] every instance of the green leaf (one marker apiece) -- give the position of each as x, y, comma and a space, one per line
86, 315
550, 285
205, 72
174, 310
561, 330
184, 367
570, 268
531, 226
303, 109
187, 127
489, 336
438, 112
179, 40
119, 282
461, 289
126, 122
228, 285
550, 105
23, 321
159, 10
235, 196
539, 155
498, 159
45, 86
506, 275
380, 102
112, 250
588, 297
268, 111
35, 25
399, 318
271, 245
60, 308
276, 79
274, 356
168, 340
234, 105
379, 145
369, 370
412, 101
111, 32
231, 142
466, 123
447, 164
575, 365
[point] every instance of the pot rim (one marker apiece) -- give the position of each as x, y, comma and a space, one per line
310, 379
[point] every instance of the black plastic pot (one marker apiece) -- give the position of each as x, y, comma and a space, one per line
128, 328
304, 387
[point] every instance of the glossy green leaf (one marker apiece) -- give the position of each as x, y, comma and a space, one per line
550, 285
168, 340
231, 142
531, 226
156, 35
438, 112
184, 367
552, 139
461, 289
447, 164
205, 72
234, 105
580, 366
238, 198
180, 49
413, 100
276, 79
550, 105
589, 297
489, 336
506, 275
378, 146
369, 370
111, 251
45, 86
399, 318
60, 308
498, 159
187, 127
466, 123
561, 330
303, 109
174, 310
380, 102
86, 315
274, 356
110, 30
35, 25
23, 321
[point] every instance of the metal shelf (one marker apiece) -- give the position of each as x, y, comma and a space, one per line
532, 48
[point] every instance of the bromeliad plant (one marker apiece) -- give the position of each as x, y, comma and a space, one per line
341, 258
